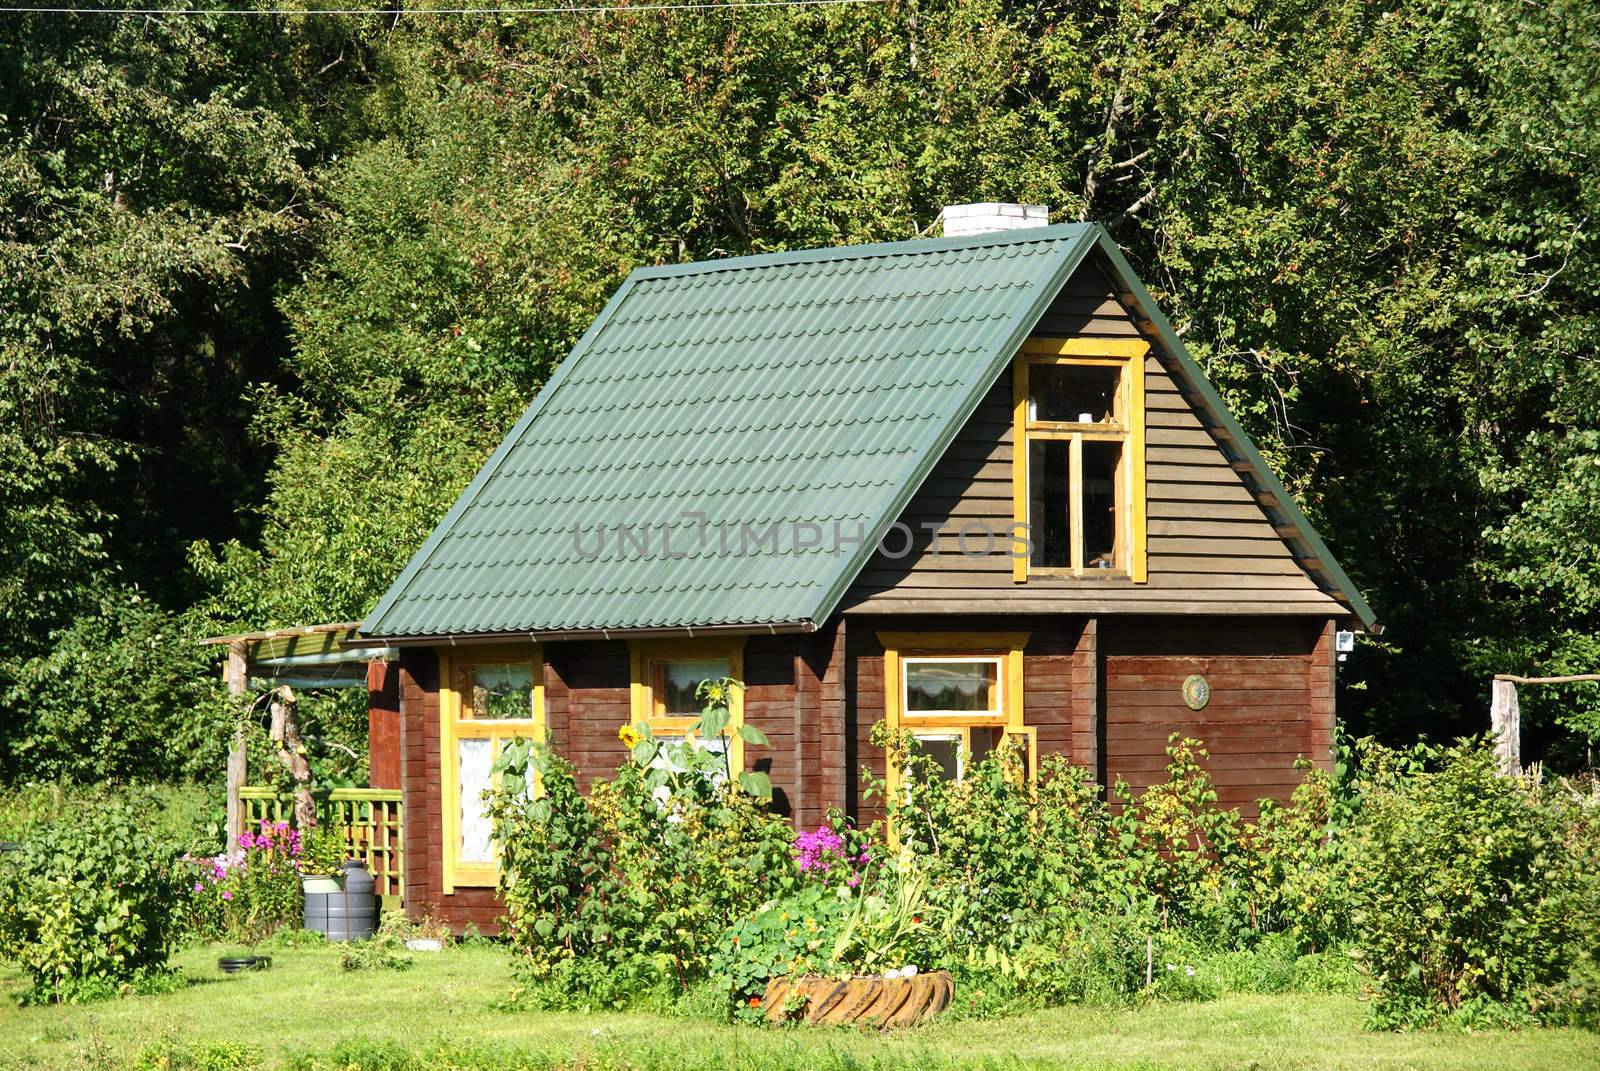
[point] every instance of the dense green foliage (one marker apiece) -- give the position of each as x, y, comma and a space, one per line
1422, 877
88, 904
1473, 896
271, 288
189, 816
628, 890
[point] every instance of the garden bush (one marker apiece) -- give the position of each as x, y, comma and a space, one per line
1420, 876
1476, 895
627, 891
87, 905
189, 815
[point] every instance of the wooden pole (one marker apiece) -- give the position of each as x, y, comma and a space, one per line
292, 753
236, 673
1505, 722
1575, 678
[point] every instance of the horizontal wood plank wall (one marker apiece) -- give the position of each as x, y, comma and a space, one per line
1270, 700
771, 686
833, 751
589, 681
383, 725
1052, 703
818, 710
424, 842
1212, 548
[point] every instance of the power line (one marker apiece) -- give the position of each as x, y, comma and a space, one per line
564, 9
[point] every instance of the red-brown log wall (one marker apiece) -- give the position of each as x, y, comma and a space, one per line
424, 840
383, 725
1056, 702
1271, 700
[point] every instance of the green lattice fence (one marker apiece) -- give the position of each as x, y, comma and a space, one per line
373, 820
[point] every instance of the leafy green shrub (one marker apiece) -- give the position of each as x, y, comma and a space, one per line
627, 891
796, 934
380, 953
191, 816
1475, 895
87, 905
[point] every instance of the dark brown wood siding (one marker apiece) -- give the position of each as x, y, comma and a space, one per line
1211, 547
1271, 700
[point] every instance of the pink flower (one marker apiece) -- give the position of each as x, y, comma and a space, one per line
198, 887
819, 849
227, 894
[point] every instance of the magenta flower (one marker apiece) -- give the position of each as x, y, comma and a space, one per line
227, 894
818, 850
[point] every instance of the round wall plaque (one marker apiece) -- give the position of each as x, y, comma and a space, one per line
1196, 692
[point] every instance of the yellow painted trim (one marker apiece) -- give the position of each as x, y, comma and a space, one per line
1128, 428
1080, 346
453, 727
1019, 467
641, 692
449, 794
1138, 556
1010, 647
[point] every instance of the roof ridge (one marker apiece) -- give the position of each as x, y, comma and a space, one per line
1056, 232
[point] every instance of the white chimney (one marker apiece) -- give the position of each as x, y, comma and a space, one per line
987, 216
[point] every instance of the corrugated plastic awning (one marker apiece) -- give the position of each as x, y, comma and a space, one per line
305, 656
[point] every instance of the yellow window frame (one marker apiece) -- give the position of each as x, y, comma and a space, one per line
455, 726
1128, 428
645, 707
1007, 647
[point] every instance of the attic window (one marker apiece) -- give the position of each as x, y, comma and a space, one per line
1078, 458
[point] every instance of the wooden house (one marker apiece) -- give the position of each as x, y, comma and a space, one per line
971, 486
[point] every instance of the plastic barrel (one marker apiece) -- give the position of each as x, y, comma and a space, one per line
351, 915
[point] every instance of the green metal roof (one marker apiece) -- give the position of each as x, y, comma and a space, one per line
710, 401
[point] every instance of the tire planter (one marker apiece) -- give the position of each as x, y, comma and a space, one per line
870, 1000
346, 911
235, 964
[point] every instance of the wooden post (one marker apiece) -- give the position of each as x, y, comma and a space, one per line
1505, 722
292, 753
236, 673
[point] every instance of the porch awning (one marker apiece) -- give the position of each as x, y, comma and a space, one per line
305, 656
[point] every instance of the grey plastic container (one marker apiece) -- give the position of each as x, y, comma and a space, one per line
351, 915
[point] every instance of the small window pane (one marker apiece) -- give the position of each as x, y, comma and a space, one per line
951, 686
1075, 393
1100, 464
945, 751
497, 691
664, 761
677, 682
475, 760
984, 742
1049, 505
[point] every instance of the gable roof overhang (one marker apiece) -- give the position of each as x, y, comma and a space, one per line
987, 291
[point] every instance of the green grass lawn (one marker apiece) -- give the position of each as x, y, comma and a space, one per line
306, 1004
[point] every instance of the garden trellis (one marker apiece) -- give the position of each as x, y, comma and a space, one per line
264, 668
